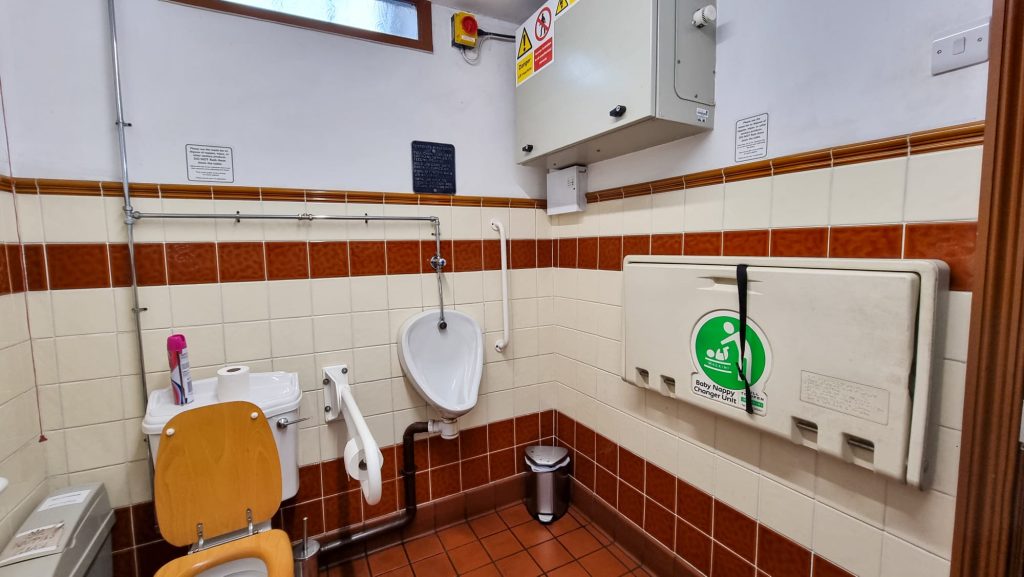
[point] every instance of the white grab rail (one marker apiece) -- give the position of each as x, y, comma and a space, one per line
503, 341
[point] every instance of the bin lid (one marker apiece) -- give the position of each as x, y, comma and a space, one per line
274, 393
546, 457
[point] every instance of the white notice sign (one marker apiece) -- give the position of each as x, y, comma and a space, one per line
209, 163
752, 138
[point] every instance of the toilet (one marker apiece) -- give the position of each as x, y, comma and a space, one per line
213, 462
444, 365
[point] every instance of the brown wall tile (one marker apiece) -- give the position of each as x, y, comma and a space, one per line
735, 530
492, 254
693, 546
287, 260
468, 256
609, 253
631, 503
631, 468
778, 556
725, 563
343, 509
502, 464
77, 266
241, 261
475, 472
545, 252
150, 265
667, 244
523, 253
586, 253
5, 272
566, 253
35, 267
866, 241
367, 258
16, 267
403, 257
428, 248
745, 243
952, 242
660, 485
636, 244
825, 568
328, 259
800, 242
191, 263
702, 244
694, 505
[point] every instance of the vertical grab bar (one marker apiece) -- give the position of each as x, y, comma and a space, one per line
503, 341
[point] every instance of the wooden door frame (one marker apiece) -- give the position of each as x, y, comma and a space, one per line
988, 533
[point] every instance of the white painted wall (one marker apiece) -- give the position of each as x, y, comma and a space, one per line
828, 73
300, 108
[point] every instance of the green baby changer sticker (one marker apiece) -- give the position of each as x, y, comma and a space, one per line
715, 350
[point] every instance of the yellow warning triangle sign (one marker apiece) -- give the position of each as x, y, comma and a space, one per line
524, 45
562, 5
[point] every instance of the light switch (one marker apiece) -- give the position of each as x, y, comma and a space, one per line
961, 49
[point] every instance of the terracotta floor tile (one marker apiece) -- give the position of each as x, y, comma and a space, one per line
550, 555
518, 565
564, 525
573, 569
436, 566
603, 538
487, 525
489, 570
389, 559
400, 572
625, 558
530, 534
580, 542
501, 544
423, 547
456, 536
353, 568
515, 515
602, 563
468, 557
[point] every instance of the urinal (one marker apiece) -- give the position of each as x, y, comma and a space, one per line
443, 364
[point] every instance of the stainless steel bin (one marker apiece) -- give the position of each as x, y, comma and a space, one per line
547, 488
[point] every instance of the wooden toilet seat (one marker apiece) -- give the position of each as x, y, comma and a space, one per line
217, 473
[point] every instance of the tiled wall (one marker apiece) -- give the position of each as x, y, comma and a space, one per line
920, 205
22, 457
300, 296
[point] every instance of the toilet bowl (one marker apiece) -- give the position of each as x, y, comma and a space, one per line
444, 365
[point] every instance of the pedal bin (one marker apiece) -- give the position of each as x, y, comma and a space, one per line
547, 488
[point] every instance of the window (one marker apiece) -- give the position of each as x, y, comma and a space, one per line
401, 22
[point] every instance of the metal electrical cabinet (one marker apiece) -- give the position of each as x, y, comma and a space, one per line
619, 76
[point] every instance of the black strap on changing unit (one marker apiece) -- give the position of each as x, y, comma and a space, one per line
741, 286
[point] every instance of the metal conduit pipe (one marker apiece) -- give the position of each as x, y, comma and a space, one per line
409, 484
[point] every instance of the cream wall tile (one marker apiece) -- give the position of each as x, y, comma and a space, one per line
382, 427
957, 324
522, 283
14, 320
371, 364
847, 542
748, 204
790, 464
139, 485
370, 293
332, 333
205, 345
133, 396
490, 212
197, 304
42, 358
523, 223
696, 466
801, 198
946, 461
660, 448
610, 218
444, 213
869, 192
527, 400
469, 287
704, 208
371, 230
736, 486
73, 218
370, 329
50, 410
304, 366
474, 311
188, 230
87, 357
114, 479
95, 446
404, 291
151, 230
287, 229
924, 518
85, 311
135, 440
246, 341
951, 394
501, 405
331, 296
91, 402
406, 230
56, 453
154, 350
543, 223
851, 489
40, 314
738, 442
245, 301
157, 302
374, 398
30, 218
637, 215
290, 337
428, 284
404, 395
786, 511
18, 423
901, 559
290, 298
324, 229
243, 230
466, 223
667, 212
589, 221
944, 185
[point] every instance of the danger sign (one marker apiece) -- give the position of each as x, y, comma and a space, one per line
537, 39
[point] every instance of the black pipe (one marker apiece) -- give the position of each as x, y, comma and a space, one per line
409, 483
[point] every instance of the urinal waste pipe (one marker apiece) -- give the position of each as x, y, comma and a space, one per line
409, 485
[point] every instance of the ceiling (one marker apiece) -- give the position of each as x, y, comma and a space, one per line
515, 11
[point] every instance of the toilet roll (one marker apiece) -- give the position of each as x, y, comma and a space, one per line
233, 383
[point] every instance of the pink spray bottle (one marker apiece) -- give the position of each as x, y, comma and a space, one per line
181, 375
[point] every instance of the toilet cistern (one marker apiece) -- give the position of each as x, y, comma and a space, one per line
444, 366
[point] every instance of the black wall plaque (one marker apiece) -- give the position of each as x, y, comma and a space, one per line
433, 167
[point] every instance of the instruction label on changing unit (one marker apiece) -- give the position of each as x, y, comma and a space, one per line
715, 351
209, 163
847, 397
752, 138
536, 39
